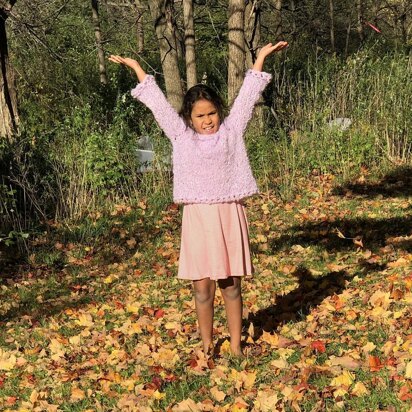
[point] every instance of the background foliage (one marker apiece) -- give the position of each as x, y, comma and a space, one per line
75, 151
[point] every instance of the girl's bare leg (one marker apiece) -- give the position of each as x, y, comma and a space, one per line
204, 292
231, 292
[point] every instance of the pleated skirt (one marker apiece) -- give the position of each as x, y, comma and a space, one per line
215, 242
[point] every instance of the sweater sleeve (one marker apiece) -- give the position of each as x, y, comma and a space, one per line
149, 93
253, 85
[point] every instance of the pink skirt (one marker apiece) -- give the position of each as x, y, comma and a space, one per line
215, 242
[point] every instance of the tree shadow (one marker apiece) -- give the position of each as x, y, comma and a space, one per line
367, 232
311, 291
397, 183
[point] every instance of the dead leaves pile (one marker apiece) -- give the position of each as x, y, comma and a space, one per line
310, 343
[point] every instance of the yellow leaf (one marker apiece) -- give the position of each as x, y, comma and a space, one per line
75, 340
359, 389
369, 347
77, 395
380, 298
158, 395
265, 402
217, 394
248, 378
7, 361
280, 364
133, 307
272, 340
108, 279
57, 349
225, 348
166, 357
85, 319
34, 396
408, 370
346, 379
339, 392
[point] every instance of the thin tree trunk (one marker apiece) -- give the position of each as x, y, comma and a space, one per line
293, 11
139, 26
252, 31
9, 119
99, 43
252, 41
360, 19
236, 48
191, 76
278, 11
332, 25
161, 11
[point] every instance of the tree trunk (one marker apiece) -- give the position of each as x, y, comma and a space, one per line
252, 41
161, 11
99, 43
332, 25
293, 12
360, 11
9, 119
278, 13
252, 31
236, 48
191, 76
139, 26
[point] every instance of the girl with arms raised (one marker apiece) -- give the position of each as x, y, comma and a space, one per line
212, 176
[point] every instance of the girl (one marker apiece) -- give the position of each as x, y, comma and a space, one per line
212, 176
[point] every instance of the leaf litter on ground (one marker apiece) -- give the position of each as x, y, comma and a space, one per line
327, 319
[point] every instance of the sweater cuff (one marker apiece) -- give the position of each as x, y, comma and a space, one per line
257, 74
148, 81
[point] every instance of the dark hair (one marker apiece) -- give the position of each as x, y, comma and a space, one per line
201, 92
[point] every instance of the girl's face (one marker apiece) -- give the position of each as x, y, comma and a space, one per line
204, 117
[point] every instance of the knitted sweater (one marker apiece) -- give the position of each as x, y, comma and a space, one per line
208, 168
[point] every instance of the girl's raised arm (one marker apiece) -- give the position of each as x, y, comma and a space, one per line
252, 87
150, 94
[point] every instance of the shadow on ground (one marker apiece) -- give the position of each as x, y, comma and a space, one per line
373, 233
397, 183
292, 307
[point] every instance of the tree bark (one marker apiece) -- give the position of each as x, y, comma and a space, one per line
139, 26
360, 11
252, 31
252, 42
161, 11
278, 13
9, 119
293, 13
191, 76
99, 43
332, 26
236, 48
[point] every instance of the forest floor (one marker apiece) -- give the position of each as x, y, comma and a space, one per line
97, 321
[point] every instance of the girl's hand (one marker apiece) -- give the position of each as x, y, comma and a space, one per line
267, 50
133, 64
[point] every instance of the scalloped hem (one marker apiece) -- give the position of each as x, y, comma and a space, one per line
210, 201
267, 77
148, 81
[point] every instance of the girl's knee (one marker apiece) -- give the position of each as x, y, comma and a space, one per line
230, 288
204, 292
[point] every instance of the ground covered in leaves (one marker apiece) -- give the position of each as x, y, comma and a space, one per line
99, 322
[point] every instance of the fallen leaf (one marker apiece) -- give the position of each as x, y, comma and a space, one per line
217, 394
345, 379
359, 389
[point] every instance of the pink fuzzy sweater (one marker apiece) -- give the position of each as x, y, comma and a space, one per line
208, 168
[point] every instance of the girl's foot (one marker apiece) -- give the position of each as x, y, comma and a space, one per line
209, 350
236, 352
